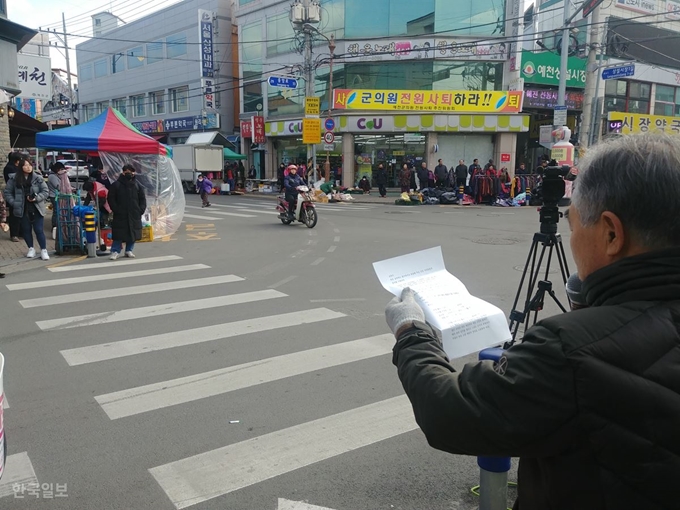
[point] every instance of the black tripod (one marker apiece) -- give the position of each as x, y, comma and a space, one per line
550, 241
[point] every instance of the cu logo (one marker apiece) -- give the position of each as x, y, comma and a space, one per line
501, 366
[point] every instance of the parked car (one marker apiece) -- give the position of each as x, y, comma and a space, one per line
76, 170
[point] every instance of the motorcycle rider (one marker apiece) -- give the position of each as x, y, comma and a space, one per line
291, 182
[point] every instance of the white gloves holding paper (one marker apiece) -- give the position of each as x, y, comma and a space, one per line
400, 312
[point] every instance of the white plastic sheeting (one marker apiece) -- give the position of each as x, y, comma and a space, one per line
159, 177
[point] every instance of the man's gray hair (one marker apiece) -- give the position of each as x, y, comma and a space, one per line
636, 177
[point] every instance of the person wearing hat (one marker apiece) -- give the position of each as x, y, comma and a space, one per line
290, 183
128, 203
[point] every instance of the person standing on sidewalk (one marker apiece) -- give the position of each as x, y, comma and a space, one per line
11, 168
441, 173
204, 187
128, 203
26, 194
381, 179
405, 179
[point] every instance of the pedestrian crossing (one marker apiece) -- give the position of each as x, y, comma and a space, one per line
214, 471
250, 208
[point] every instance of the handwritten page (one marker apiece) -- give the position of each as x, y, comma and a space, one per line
467, 324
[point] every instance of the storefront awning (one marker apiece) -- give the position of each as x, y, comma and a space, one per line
229, 154
23, 128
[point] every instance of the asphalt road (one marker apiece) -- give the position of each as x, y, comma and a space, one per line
243, 364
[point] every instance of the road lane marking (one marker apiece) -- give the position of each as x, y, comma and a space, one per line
283, 282
127, 262
120, 349
214, 473
18, 471
332, 249
68, 261
221, 213
128, 291
102, 277
337, 300
318, 261
209, 218
164, 394
143, 312
336, 239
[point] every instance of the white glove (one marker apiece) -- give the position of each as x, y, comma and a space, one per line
403, 311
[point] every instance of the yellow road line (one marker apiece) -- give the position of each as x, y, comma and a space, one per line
68, 261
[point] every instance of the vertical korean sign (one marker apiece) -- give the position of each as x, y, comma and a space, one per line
208, 85
35, 76
258, 129
205, 24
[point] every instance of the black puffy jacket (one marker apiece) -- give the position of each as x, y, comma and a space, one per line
589, 401
128, 203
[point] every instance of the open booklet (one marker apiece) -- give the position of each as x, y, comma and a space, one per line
467, 324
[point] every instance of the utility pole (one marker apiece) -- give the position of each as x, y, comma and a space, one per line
592, 81
303, 16
68, 72
564, 57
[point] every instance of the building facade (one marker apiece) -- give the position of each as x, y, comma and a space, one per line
620, 33
411, 82
170, 73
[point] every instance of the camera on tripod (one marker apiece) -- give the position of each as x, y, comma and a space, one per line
552, 191
544, 243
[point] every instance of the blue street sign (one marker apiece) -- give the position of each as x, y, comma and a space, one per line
618, 72
282, 82
329, 124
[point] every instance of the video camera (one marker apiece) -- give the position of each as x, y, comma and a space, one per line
552, 189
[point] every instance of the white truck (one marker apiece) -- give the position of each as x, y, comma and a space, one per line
194, 159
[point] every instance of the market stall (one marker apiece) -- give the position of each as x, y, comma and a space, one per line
111, 137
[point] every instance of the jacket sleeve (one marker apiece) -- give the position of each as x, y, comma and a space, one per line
43, 193
8, 192
141, 196
113, 198
526, 410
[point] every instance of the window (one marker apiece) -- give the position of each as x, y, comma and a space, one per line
85, 73
117, 63
179, 98
138, 105
97, 22
100, 68
121, 105
101, 107
627, 96
667, 101
244, 2
381, 18
333, 12
177, 45
89, 112
467, 76
3, 8
481, 17
251, 49
157, 101
154, 52
280, 35
135, 57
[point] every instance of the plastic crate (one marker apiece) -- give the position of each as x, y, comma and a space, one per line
147, 234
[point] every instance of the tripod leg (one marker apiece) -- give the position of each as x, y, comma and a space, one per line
562, 259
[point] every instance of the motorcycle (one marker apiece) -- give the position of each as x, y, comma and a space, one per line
305, 212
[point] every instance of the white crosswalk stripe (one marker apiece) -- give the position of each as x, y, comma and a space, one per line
112, 350
209, 474
93, 319
187, 389
125, 262
110, 276
19, 473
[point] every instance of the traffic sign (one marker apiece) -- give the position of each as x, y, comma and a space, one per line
560, 116
283, 82
589, 6
311, 131
612, 73
312, 106
329, 124
329, 137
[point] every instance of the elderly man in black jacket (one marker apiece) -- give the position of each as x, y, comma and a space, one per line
590, 400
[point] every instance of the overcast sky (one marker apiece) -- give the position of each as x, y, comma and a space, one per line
47, 14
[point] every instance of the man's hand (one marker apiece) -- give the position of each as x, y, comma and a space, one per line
401, 312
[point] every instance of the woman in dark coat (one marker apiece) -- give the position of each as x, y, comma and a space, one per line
128, 203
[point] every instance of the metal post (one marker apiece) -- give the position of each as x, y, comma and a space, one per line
564, 61
592, 73
68, 71
309, 84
